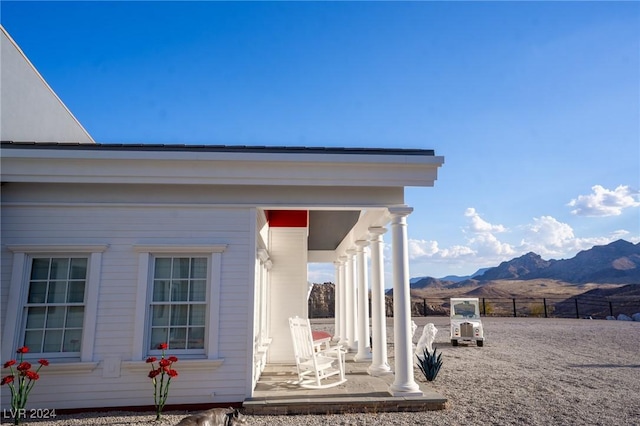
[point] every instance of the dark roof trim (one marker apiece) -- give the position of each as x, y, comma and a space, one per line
215, 148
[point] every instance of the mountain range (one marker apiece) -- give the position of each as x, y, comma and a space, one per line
614, 263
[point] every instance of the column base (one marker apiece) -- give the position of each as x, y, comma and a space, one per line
379, 370
405, 390
362, 357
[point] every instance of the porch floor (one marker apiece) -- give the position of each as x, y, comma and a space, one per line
277, 394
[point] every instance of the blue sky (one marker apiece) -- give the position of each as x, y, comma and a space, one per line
534, 105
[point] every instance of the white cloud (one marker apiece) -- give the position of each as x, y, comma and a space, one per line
480, 225
605, 202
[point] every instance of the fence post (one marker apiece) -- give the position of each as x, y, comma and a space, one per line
424, 306
577, 312
514, 308
544, 302
610, 308
484, 307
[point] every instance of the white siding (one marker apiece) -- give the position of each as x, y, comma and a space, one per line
288, 288
122, 227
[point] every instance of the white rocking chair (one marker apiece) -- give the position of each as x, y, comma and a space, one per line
315, 366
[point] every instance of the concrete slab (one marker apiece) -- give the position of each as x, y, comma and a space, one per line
278, 394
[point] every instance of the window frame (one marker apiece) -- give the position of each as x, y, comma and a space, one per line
142, 332
15, 318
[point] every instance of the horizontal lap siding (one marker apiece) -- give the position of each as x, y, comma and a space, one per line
122, 227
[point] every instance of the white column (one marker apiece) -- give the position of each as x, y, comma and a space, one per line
404, 383
336, 297
352, 310
343, 301
379, 365
364, 345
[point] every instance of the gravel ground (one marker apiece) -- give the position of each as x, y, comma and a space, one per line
530, 372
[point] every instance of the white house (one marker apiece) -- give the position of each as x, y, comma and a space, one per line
109, 249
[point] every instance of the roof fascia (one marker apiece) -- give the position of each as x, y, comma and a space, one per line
220, 168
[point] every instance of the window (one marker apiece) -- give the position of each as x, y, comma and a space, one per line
179, 302
53, 302
55, 307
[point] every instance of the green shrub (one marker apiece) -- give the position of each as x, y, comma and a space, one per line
430, 364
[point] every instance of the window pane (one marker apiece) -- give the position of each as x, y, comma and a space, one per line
35, 318
78, 269
161, 291
40, 269
72, 339
163, 268
75, 317
196, 338
52, 341
196, 314
160, 315
199, 267
179, 291
181, 267
178, 338
179, 315
158, 335
37, 292
33, 340
59, 269
57, 292
76, 292
55, 317
198, 291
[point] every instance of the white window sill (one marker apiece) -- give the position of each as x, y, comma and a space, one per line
181, 365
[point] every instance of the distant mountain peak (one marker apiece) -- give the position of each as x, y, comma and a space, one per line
517, 267
615, 263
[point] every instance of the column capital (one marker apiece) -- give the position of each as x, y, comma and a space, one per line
361, 244
342, 259
377, 230
400, 211
350, 252
263, 255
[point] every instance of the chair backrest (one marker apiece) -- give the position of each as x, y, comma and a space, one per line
302, 337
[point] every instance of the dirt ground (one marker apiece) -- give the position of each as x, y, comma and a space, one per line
531, 371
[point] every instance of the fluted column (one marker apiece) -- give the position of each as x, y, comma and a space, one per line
379, 363
404, 383
343, 301
336, 302
364, 345
352, 318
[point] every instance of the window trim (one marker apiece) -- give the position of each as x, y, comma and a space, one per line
145, 273
22, 255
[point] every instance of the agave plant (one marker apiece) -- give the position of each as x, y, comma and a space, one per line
430, 364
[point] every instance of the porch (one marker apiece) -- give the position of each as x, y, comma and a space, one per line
276, 392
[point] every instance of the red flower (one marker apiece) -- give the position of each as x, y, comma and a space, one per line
172, 373
9, 363
32, 375
23, 350
163, 346
154, 373
164, 362
173, 359
23, 366
7, 379
43, 362
151, 359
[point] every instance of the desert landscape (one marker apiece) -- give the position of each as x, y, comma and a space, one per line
531, 371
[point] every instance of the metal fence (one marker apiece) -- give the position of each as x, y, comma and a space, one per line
541, 307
